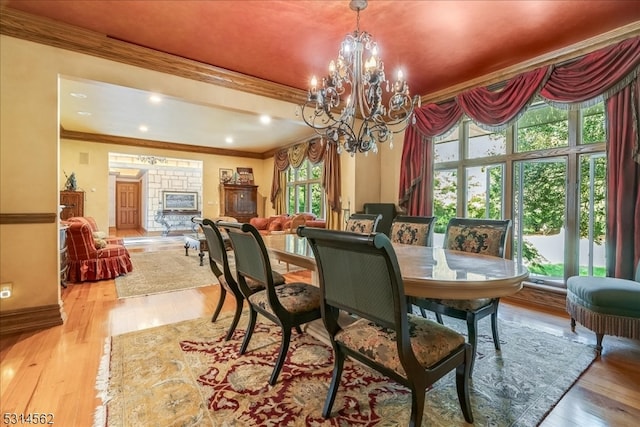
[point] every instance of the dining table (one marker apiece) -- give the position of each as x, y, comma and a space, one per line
427, 272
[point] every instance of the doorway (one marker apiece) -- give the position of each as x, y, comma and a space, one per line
127, 205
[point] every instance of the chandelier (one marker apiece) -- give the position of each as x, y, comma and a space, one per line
152, 160
327, 112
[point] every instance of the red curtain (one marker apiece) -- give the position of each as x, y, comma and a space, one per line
417, 157
499, 108
601, 74
623, 184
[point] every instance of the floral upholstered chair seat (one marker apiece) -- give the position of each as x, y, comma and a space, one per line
296, 297
430, 341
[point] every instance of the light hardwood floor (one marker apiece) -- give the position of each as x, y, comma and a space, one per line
53, 371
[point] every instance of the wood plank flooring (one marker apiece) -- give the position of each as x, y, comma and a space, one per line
53, 371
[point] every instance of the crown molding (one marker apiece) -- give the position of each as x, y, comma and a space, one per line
46, 31
160, 145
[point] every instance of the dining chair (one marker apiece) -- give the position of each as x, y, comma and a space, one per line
220, 266
363, 223
481, 236
289, 305
359, 274
412, 230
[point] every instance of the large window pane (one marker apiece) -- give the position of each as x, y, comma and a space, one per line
444, 202
447, 149
592, 215
593, 124
539, 207
484, 192
542, 127
483, 143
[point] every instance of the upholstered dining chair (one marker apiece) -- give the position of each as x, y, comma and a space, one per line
412, 230
481, 236
219, 263
363, 223
359, 274
289, 305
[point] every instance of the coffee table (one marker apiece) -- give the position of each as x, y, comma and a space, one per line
198, 242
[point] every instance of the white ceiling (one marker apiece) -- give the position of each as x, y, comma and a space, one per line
120, 111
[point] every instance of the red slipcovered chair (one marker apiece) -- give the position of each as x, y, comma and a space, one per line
97, 234
87, 262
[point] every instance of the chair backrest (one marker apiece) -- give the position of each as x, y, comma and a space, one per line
388, 212
363, 223
413, 230
251, 259
481, 236
218, 258
358, 273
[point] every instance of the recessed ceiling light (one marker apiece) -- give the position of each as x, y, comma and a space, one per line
78, 95
264, 119
84, 113
228, 140
156, 99
143, 128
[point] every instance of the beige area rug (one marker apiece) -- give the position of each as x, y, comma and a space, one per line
170, 270
185, 374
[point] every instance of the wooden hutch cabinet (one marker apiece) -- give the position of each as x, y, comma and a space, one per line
239, 201
73, 202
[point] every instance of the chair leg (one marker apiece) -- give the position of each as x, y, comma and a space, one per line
253, 315
335, 382
417, 405
236, 318
298, 329
463, 374
223, 295
284, 348
439, 318
494, 330
472, 326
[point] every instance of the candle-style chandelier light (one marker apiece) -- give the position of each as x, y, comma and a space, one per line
335, 119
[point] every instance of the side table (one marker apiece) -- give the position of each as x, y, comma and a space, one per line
198, 242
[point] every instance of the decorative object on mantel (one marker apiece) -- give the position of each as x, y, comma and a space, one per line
71, 184
365, 100
152, 160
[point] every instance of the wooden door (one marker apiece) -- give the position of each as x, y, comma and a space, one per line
127, 205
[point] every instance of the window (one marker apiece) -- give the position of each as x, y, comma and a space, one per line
547, 173
304, 189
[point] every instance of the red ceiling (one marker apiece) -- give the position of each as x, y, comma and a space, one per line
437, 43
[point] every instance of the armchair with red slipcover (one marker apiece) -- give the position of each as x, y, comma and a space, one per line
97, 234
87, 262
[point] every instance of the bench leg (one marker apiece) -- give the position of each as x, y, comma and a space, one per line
599, 338
573, 324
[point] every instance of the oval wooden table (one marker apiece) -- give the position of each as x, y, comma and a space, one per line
427, 272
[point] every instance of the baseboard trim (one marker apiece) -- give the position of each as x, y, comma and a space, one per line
545, 297
31, 318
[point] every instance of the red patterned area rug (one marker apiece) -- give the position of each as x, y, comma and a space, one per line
185, 374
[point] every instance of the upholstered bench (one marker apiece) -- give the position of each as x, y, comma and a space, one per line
605, 305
